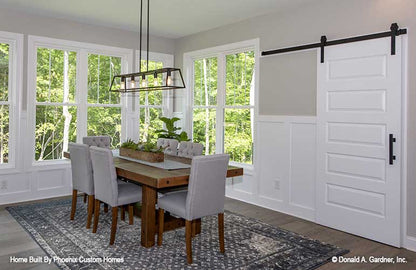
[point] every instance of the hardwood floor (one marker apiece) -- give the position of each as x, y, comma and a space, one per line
14, 241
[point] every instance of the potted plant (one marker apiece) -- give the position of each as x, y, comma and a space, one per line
146, 151
171, 131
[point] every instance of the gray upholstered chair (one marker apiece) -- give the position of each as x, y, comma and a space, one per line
82, 177
190, 149
170, 146
108, 190
205, 196
99, 141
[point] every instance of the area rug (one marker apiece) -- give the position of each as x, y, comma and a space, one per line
249, 243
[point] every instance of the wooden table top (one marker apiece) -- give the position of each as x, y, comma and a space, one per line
157, 177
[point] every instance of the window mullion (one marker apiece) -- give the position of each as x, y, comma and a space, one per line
81, 94
219, 140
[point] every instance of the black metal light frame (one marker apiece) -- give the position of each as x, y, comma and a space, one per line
169, 80
135, 75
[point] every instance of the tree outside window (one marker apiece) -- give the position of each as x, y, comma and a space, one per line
226, 105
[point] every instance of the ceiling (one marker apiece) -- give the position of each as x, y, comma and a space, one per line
169, 18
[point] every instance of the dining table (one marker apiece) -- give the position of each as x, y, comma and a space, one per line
154, 181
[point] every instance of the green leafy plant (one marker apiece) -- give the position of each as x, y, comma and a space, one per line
130, 144
150, 147
144, 146
171, 131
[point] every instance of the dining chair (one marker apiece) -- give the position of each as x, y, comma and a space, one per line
82, 177
108, 190
170, 146
205, 196
190, 149
99, 141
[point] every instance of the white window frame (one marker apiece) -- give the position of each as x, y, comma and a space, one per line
167, 96
220, 53
15, 42
82, 49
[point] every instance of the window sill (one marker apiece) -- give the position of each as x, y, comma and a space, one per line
57, 163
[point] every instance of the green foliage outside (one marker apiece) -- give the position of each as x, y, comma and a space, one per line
4, 109
56, 82
56, 123
103, 120
239, 98
151, 103
238, 137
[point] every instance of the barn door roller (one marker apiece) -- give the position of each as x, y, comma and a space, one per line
394, 31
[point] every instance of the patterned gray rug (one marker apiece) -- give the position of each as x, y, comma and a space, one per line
249, 243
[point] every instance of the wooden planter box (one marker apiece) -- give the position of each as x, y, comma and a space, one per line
146, 156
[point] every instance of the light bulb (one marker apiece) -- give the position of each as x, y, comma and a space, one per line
122, 85
132, 83
155, 80
169, 81
144, 82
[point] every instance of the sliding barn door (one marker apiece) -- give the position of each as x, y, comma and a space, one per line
359, 106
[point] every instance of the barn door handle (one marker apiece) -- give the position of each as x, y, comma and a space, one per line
392, 157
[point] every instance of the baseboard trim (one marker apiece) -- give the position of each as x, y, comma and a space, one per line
410, 243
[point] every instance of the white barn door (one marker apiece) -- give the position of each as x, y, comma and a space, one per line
358, 107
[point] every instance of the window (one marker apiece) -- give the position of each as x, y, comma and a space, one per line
56, 110
154, 104
239, 106
69, 86
205, 103
104, 107
223, 101
151, 107
4, 102
10, 87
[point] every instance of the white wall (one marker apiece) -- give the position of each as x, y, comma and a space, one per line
284, 178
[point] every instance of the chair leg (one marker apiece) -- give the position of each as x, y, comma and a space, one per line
131, 214
96, 215
123, 214
114, 225
221, 231
193, 228
188, 236
90, 210
161, 225
74, 203
85, 197
105, 208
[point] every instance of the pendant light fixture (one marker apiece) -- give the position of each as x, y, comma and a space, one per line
167, 78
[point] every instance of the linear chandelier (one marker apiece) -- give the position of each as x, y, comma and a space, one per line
149, 80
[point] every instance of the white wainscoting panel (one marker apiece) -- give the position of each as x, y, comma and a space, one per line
283, 178
28, 181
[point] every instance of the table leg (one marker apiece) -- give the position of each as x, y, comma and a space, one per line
149, 196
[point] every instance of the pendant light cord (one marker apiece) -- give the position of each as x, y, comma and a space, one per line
140, 32
148, 18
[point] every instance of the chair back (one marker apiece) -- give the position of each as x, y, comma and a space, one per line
170, 146
82, 175
190, 149
206, 189
105, 177
99, 141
